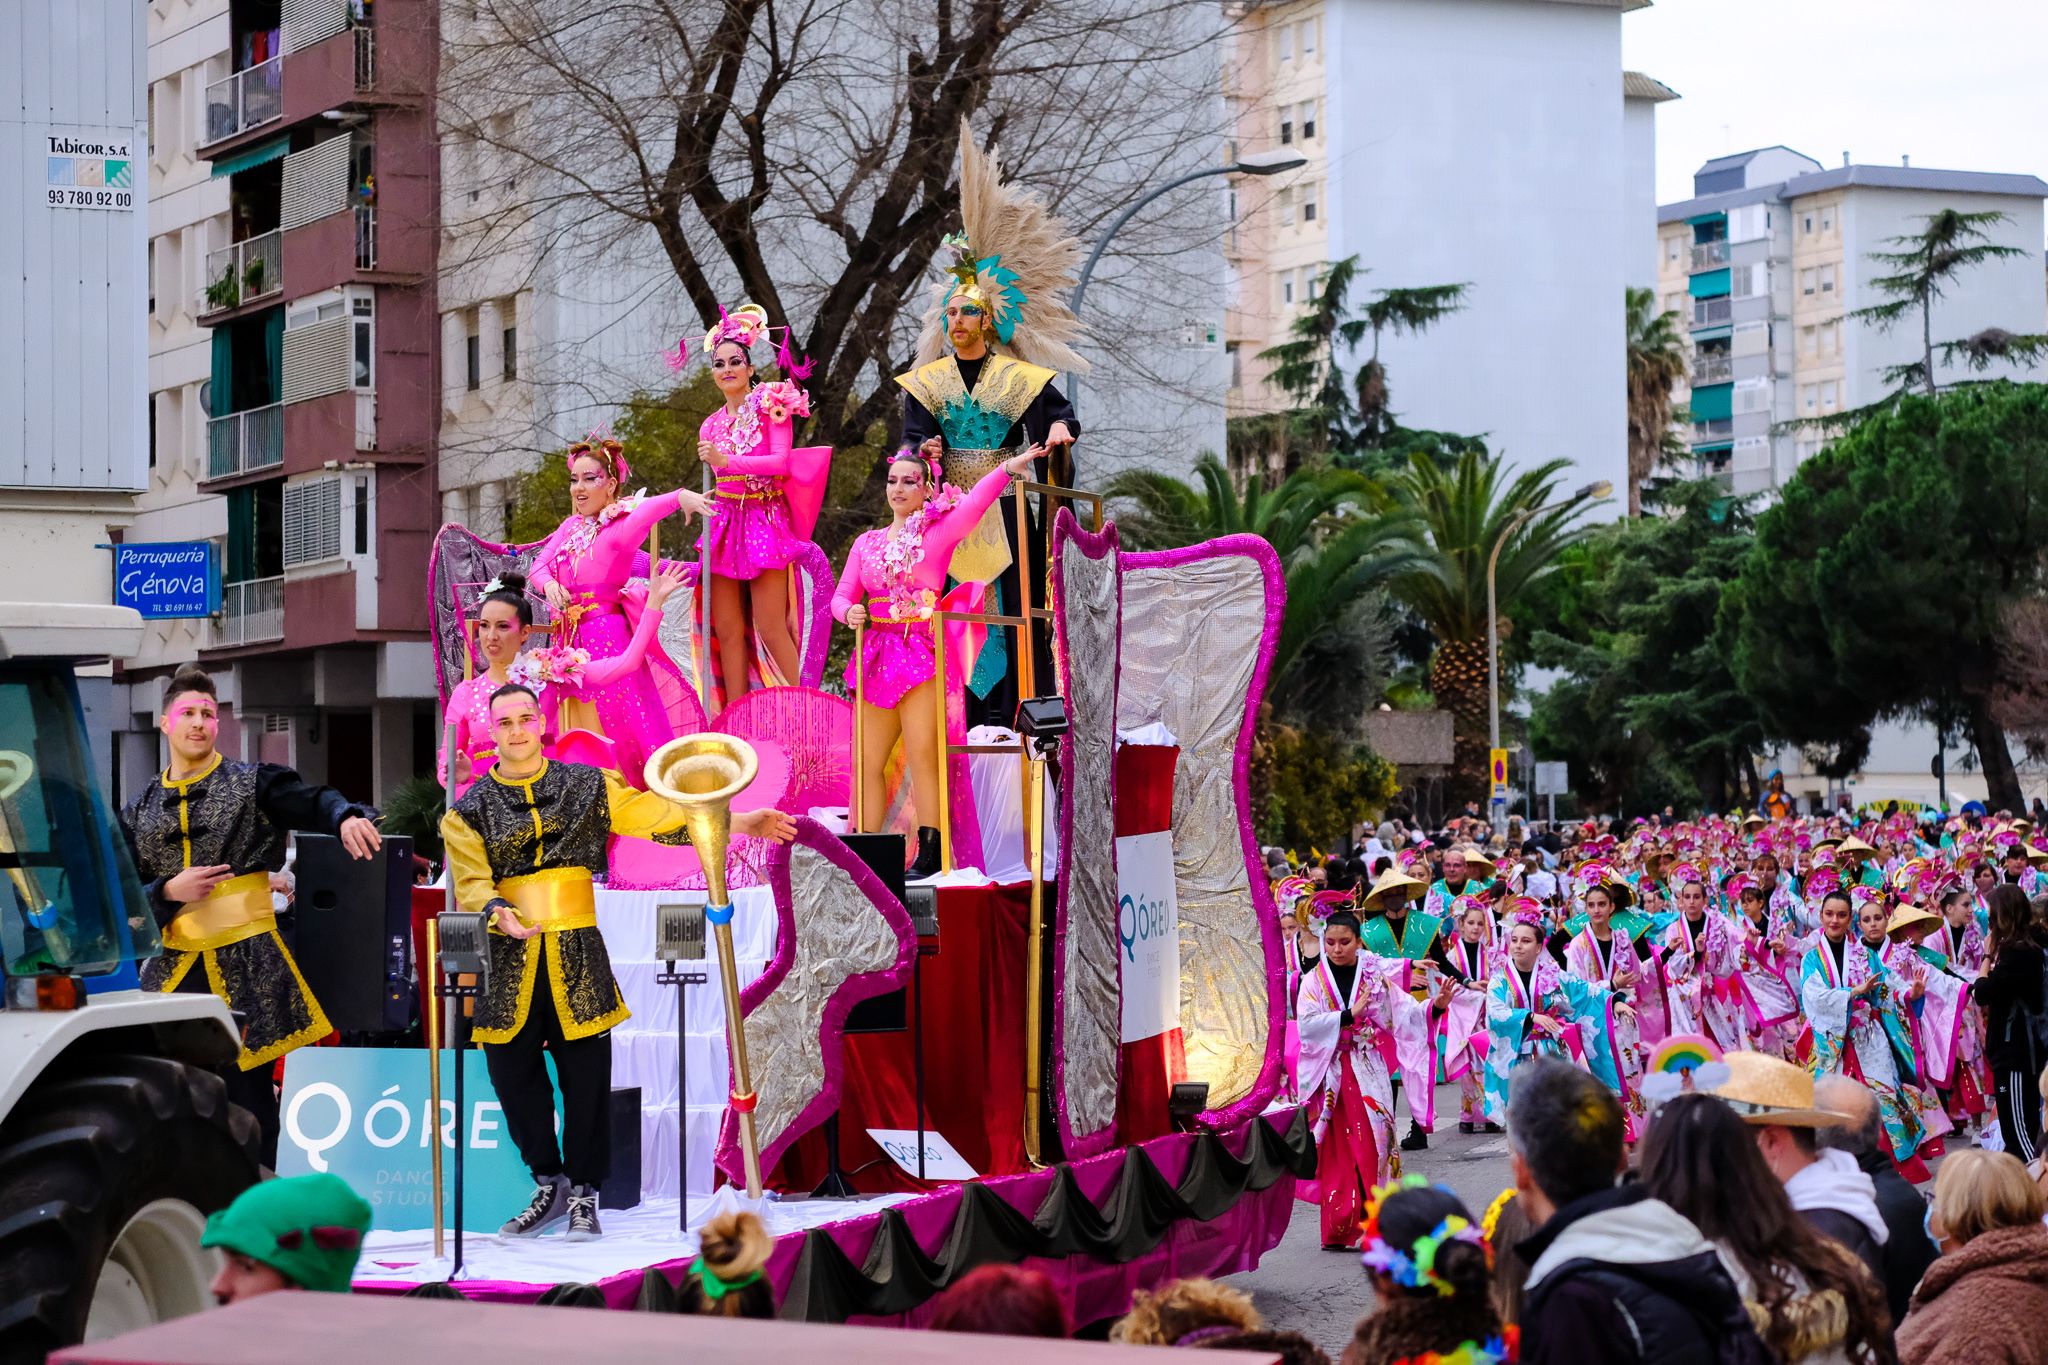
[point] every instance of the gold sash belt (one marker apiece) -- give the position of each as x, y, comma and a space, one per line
553, 900
236, 909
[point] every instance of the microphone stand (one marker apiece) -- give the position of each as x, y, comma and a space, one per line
682, 981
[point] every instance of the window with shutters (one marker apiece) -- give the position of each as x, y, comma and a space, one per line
312, 522
314, 183
306, 22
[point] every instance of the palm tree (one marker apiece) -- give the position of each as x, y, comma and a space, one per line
1463, 513
1656, 362
1341, 546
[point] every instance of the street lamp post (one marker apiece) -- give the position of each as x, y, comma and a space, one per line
1256, 163
1496, 803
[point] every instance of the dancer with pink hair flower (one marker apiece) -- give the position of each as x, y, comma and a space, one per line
1699, 965
587, 570
890, 588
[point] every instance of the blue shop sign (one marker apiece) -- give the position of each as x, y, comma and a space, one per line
168, 579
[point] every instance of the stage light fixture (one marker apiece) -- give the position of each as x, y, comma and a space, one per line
465, 944
923, 904
1186, 1101
679, 930
1043, 721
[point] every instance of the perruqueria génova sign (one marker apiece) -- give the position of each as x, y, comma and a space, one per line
168, 579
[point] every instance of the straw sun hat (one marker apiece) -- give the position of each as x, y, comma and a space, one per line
1769, 1090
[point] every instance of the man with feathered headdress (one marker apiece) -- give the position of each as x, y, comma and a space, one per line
1001, 302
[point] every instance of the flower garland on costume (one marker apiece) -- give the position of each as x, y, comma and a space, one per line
782, 400
536, 668
1489, 1225
1497, 1350
1415, 1267
903, 550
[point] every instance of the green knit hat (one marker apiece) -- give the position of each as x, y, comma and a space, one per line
308, 1228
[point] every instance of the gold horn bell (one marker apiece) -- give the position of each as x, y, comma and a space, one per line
702, 774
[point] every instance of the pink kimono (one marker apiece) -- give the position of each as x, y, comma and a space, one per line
1632, 978
1459, 1031
593, 559
1347, 1081
1699, 970
1766, 994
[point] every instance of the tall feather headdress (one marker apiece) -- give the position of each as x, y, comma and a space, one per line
1014, 258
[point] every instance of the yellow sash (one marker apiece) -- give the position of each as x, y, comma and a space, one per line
553, 900
236, 909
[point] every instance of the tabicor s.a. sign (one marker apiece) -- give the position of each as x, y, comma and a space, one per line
1148, 935
168, 579
89, 170
366, 1114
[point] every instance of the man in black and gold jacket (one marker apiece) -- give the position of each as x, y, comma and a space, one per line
524, 845
206, 834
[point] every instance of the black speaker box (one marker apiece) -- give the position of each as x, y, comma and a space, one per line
621, 1189
884, 856
353, 932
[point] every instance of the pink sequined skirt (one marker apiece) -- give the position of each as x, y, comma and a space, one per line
896, 657
746, 537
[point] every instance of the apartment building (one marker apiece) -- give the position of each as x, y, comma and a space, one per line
1497, 143
293, 375
1768, 258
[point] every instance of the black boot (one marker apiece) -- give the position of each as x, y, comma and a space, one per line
1417, 1140
927, 863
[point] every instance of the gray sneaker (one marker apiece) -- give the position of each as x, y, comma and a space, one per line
583, 1225
550, 1205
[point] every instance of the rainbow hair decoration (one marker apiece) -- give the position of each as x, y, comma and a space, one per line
1415, 1268
1684, 1061
1497, 1350
1684, 1052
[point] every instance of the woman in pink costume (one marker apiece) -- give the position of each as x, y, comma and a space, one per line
1458, 1013
764, 507
584, 569
504, 622
890, 586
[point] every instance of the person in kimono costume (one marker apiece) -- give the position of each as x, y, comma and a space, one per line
1767, 952
1954, 948
1936, 1006
1602, 953
1534, 1008
1356, 1029
1699, 955
1852, 1005
1458, 1015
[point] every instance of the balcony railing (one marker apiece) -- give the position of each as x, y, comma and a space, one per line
251, 612
366, 238
1706, 312
245, 99
1712, 367
366, 58
243, 271
1708, 255
245, 441
1718, 429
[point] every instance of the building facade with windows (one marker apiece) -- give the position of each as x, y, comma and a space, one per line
294, 368
1769, 257
1497, 143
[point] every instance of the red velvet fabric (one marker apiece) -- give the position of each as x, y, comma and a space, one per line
973, 1054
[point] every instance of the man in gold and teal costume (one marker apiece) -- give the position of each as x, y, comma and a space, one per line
525, 845
1000, 303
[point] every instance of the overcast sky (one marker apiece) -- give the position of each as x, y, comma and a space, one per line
1959, 86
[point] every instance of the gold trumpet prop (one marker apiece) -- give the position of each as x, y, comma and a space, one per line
16, 768
702, 774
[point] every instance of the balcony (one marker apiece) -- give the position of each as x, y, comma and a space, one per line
1719, 429
1710, 255
245, 100
366, 238
1709, 312
366, 58
244, 272
1712, 367
243, 442
251, 613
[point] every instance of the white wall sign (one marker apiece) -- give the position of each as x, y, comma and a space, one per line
89, 171
941, 1162
1148, 935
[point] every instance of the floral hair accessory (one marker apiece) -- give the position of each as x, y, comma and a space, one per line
536, 668
1490, 1224
1496, 1350
783, 400
495, 585
744, 326
1416, 1267
602, 446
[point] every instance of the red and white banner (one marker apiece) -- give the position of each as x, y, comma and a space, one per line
1148, 938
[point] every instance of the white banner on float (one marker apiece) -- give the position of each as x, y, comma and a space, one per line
1148, 935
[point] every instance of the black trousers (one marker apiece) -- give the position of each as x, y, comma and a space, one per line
2019, 1111
519, 1072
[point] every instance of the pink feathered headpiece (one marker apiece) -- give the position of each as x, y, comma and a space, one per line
601, 446
744, 326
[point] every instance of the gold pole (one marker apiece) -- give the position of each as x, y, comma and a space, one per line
702, 774
854, 802
1026, 638
1034, 963
432, 977
944, 801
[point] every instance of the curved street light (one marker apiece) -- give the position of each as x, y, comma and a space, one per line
1592, 492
